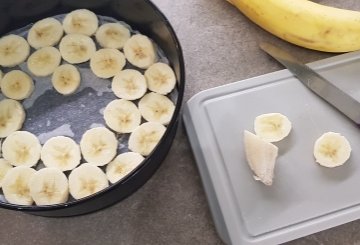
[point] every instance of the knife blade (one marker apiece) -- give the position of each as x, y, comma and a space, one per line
342, 101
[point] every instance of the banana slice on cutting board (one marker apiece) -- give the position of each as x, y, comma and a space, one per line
76, 48
15, 185
21, 148
272, 127
66, 79
81, 21
5, 166
61, 152
98, 146
13, 50
86, 180
44, 61
122, 165
156, 108
129, 84
332, 150
145, 138
261, 157
122, 116
49, 186
112, 35
140, 51
45, 33
105, 63
17, 85
12, 117
160, 78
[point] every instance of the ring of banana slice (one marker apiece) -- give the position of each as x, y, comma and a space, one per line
61, 168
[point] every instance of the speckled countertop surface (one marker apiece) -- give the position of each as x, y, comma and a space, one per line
220, 46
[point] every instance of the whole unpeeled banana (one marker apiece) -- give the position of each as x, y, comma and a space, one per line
305, 23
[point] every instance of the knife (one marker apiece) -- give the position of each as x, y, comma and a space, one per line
342, 101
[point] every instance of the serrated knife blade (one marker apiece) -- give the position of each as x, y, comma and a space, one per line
342, 101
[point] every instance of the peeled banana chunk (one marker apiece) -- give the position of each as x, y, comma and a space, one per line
261, 157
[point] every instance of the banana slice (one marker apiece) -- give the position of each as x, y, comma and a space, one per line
105, 63
140, 51
21, 148
122, 116
12, 117
15, 185
49, 186
145, 137
261, 157
122, 165
156, 108
66, 79
86, 180
272, 127
13, 50
81, 21
44, 33
112, 35
332, 150
129, 84
5, 166
76, 48
44, 61
17, 85
160, 78
98, 146
61, 152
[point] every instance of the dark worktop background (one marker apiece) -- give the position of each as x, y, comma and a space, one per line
220, 46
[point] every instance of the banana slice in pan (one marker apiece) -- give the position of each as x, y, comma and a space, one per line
17, 85
66, 79
13, 50
98, 146
145, 138
49, 186
122, 116
16, 187
21, 148
106, 63
44, 61
12, 117
5, 166
160, 78
81, 21
122, 165
86, 180
156, 108
112, 35
76, 48
129, 84
45, 33
140, 51
61, 152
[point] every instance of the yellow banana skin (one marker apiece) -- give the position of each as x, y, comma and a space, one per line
305, 23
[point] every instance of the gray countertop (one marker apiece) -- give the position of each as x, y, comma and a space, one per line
220, 46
